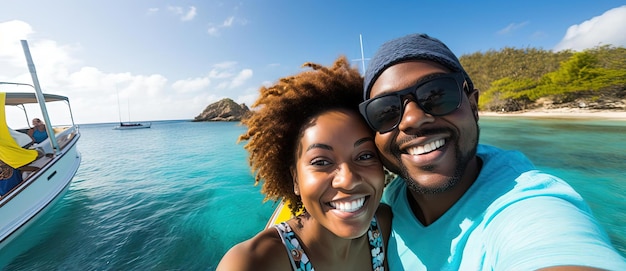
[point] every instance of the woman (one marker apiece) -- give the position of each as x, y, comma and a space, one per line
309, 146
38, 132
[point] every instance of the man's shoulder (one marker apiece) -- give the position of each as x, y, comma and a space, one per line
488, 152
499, 162
394, 190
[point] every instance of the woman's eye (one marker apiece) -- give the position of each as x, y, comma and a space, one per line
367, 156
320, 162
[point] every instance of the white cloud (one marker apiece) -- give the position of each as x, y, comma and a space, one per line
180, 11
241, 78
214, 30
248, 99
175, 10
229, 75
608, 28
219, 74
228, 22
10, 48
152, 11
222, 70
222, 85
512, 27
190, 14
191, 85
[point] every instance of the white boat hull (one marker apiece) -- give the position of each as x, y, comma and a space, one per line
29, 200
132, 127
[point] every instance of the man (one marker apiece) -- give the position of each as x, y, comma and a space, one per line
457, 204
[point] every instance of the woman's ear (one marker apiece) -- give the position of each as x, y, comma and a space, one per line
294, 176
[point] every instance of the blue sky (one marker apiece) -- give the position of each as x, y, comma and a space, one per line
170, 59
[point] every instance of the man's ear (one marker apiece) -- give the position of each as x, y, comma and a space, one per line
473, 100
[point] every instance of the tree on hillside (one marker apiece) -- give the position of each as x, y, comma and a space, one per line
514, 79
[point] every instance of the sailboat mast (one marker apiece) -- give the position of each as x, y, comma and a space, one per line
362, 55
119, 111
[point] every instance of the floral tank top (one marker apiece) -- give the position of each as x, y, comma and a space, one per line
300, 261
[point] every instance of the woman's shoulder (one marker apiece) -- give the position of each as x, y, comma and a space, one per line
265, 251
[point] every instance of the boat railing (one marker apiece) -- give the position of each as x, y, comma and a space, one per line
62, 134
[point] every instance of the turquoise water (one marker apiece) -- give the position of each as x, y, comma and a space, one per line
178, 195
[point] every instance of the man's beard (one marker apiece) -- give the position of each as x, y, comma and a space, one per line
462, 160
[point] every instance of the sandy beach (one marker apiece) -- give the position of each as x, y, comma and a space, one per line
562, 113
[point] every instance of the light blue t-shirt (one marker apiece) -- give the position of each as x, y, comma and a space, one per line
513, 217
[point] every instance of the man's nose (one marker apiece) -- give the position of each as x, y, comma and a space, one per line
413, 116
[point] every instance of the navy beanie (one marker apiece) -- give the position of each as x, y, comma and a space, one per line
411, 47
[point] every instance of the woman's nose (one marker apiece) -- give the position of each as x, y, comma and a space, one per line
346, 178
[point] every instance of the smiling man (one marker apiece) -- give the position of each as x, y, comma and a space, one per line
457, 204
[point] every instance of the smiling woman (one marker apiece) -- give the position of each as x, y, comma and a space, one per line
38, 131
310, 147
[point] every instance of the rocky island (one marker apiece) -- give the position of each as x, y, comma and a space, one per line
223, 110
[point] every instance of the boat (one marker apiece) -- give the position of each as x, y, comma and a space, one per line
46, 169
131, 125
128, 125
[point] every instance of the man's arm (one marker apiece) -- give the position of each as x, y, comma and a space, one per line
551, 233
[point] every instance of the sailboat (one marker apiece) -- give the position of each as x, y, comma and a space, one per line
129, 125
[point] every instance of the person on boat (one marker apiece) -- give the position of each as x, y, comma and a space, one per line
38, 131
9, 178
310, 147
457, 204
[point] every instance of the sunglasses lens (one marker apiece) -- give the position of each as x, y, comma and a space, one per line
439, 97
384, 112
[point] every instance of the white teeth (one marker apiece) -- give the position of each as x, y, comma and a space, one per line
427, 148
348, 206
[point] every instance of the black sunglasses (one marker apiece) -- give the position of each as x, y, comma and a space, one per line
437, 95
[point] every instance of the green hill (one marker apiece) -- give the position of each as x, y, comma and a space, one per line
517, 79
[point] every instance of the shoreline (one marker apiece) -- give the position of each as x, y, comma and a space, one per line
561, 113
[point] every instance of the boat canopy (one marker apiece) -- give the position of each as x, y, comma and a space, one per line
11, 153
17, 98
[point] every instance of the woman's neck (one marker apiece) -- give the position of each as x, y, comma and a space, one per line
324, 248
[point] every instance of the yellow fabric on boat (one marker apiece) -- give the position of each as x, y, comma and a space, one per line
11, 153
282, 213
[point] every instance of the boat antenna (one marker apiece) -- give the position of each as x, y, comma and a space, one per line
39, 95
362, 56
362, 59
